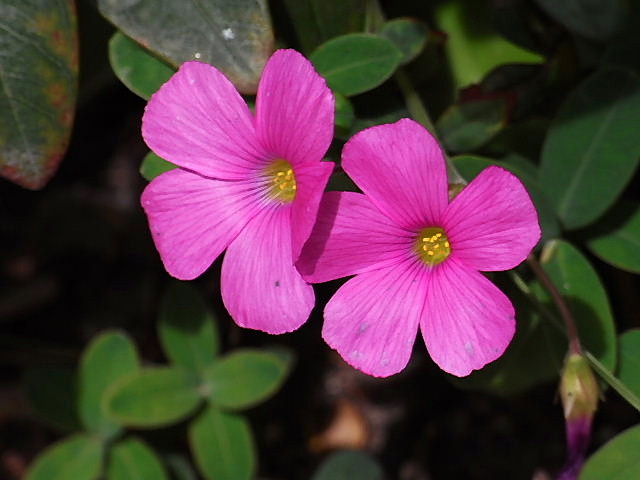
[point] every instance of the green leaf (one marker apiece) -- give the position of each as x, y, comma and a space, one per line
38, 86
152, 166
246, 377
617, 459
222, 445
473, 46
187, 328
349, 465
132, 459
142, 72
235, 36
463, 127
356, 63
578, 282
52, 393
408, 34
109, 357
78, 457
629, 360
154, 397
470, 165
593, 19
592, 148
617, 237
316, 21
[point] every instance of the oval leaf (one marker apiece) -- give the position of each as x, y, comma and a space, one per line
108, 358
235, 36
349, 465
580, 285
52, 392
617, 459
618, 237
78, 458
356, 63
466, 126
132, 459
629, 360
593, 146
186, 328
246, 377
142, 72
408, 34
222, 445
39, 76
154, 397
152, 166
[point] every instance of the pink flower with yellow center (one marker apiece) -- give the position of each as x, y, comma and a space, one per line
248, 184
416, 257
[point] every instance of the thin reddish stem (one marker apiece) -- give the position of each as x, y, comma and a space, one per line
565, 313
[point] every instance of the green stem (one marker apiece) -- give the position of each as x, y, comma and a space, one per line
414, 103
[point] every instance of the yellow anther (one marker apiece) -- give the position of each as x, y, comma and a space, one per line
281, 181
432, 245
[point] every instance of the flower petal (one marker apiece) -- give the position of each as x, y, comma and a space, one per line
261, 288
294, 109
401, 168
467, 321
351, 236
311, 180
192, 218
199, 121
372, 320
492, 224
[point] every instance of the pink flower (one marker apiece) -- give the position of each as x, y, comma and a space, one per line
251, 185
416, 256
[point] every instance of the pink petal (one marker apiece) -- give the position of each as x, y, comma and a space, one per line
492, 224
372, 320
294, 109
311, 180
351, 236
467, 321
260, 286
193, 218
401, 168
198, 121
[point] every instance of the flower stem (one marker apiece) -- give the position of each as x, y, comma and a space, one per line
565, 313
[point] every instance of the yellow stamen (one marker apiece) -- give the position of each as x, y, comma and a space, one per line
432, 246
281, 181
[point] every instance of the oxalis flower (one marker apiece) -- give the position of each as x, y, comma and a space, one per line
250, 185
416, 256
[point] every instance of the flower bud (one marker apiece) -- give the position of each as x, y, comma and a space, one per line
579, 394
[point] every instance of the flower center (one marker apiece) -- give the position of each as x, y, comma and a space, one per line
432, 246
281, 181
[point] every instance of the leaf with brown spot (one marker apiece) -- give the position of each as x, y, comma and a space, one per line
38, 85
